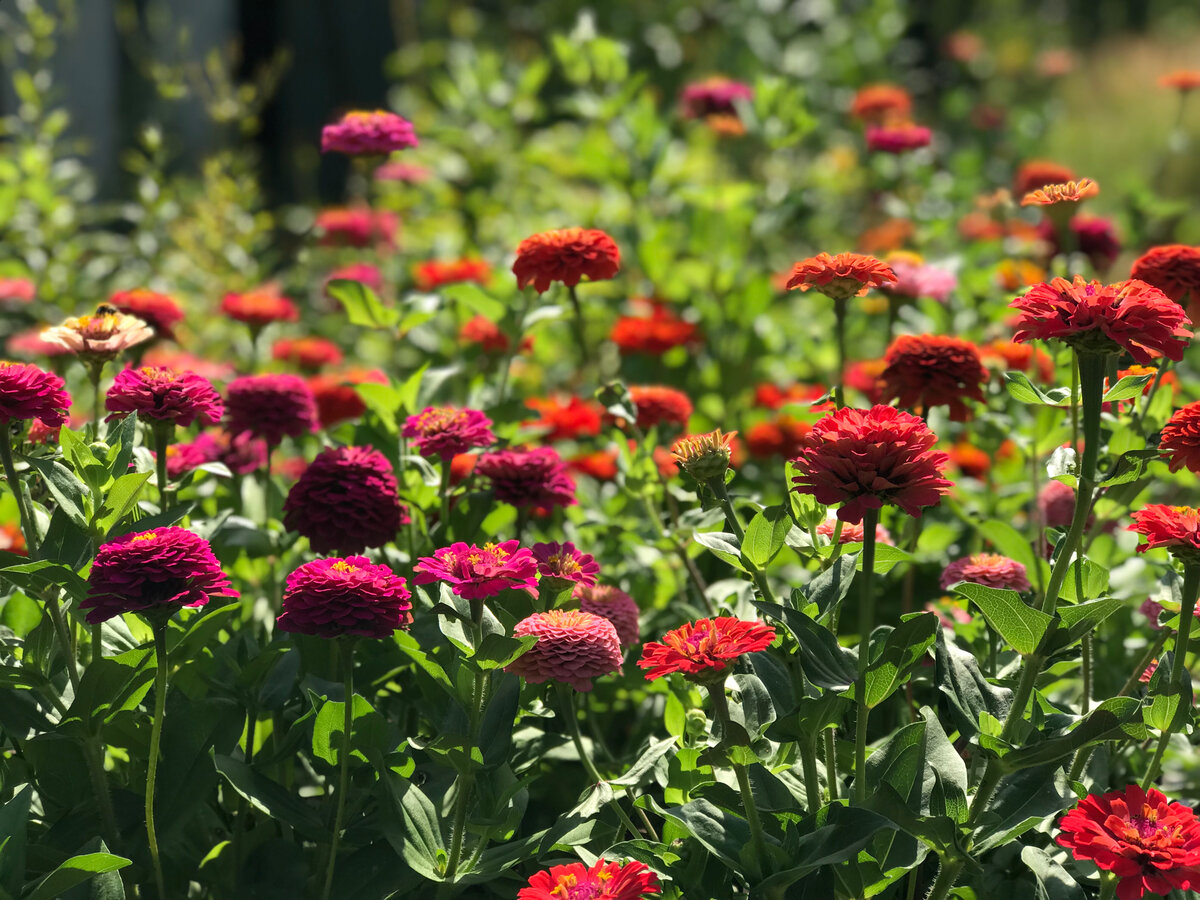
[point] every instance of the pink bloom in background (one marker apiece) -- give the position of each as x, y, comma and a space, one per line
270, 407
613, 604
164, 396
362, 132
363, 273
572, 646
41, 433
562, 566
536, 477
445, 431
1095, 237
713, 95
242, 454
409, 173
16, 290
31, 343
917, 279
898, 137
184, 458
26, 392
988, 569
357, 226
213, 370
1056, 504
852, 532
345, 597
475, 573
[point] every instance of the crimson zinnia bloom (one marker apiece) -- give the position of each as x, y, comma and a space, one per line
307, 353
260, 307
1180, 439
656, 404
566, 418
1150, 843
335, 396
332, 598
655, 333
599, 464
1177, 528
363, 132
566, 255
164, 395
929, 370
562, 565
865, 376
613, 604
876, 102
270, 406
898, 137
839, 277
702, 650
445, 431
536, 477
989, 569
155, 572
1037, 173
487, 334
345, 501
865, 459
603, 881
159, 311
475, 573
27, 392
572, 646
435, 273
1092, 317
1172, 268
357, 227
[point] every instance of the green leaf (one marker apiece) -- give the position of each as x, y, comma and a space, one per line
1023, 801
410, 389
272, 798
14, 816
1094, 578
1011, 543
1083, 617
67, 490
724, 834
423, 847
1019, 624
1053, 881
765, 535
474, 298
964, 685
722, 545
1128, 387
830, 588
826, 663
362, 305
1102, 724
42, 573
840, 833
75, 870
383, 400
368, 731
887, 557
1170, 704
639, 773
904, 648
120, 499
1025, 391
498, 650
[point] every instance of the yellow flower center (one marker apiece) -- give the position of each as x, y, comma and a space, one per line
342, 566
148, 536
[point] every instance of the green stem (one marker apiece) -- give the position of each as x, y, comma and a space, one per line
1139, 417
465, 781
1108, 886
866, 624
585, 354
1086, 650
812, 784
347, 649
839, 332
757, 574
160, 705
721, 712
444, 492
14, 485
163, 431
93, 754
948, 872
513, 348
95, 372
831, 775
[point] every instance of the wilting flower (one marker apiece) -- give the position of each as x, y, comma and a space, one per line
446, 431
1172, 268
159, 311
362, 132
270, 407
349, 597
914, 278
1150, 843
528, 478
1177, 528
566, 255
989, 569
1180, 439
307, 353
572, 646
865, 459
357, 227
260, 307
654, 333
839, 277
433, 274
1092, 317
335, 396
852, 532
363, 273
877, 102
409, 173
702, 650
1037, 173
563, 566
613, 604
18, 290
926, 370
565, 418
155, 572
1183, 80
1019, 357
603, 881
1069, 192
27, 392
715, 101
598, 464
475, 573
345, 501
704, 456
656, 404
898, 137
164, 395
99, 337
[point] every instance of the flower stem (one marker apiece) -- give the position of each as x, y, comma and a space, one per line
839, 332
444, 492
1086, 651
512, 350
721, 712
347, 653
14, 485
948, 872
1108, 886
831, 775
465, 781
760, 578
812, 783
866, 610
160, 705
163, 432
95, 371
585, 354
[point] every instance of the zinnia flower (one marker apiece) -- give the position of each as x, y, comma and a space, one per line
1020, 357
702, 650
99, 337
270, 406
19, 290
27, 392
877, 102
572, 646
433, 274
1037, 173
1069, 192
1014, 274
155, 572
704, 456
1172, 268
1150, 843
771, 396
348, 597
852, 532
655, 333
928, 370
914, 278
307, 353
525, 478
1177, 528
565, 418
599, 464
715, 101
1056, 504
409, 173
184, 458
1183, 80
12, 540
865, 459
563, 566
361, 132
159, 311
260, 307
213, 370
335, 396
989, 569
970, 460
345, 501
445, 431
164, 395
613, 604
865, 376
566, 255
30, 343
1095, 237
898, 137
357, 227
475, 573
1091, 317
488, 336
890, 234
656, 405
603, 881
839, 277
363, 273
1180, 439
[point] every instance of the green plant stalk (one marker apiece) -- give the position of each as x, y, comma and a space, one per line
14, 485
444, 493
1085, 646
831, 775
163, 432
585, 354
465, 781
513, 349
721, 712
347, 654
760, 578
160, 705
839, 332
1108, 886
948, 872
95, 372
866, 616
812, 782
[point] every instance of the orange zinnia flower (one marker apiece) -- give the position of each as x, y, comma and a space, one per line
1037, 173
1172, 268
840, 277
877, 102
1070, 192
1181, 80
566, 255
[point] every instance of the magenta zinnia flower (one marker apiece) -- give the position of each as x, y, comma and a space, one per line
270, 407
478, 572
345, 501
155, 572
562, 566
345, 597
572, 646
988, 569
445, 432
361, 132
613, 604
165, 396
27, 392
536, 477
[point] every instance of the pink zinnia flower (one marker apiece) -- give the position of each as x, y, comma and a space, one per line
917, 279
164, 396
364, 273
360, 133
27, 392
445, 431
898, 137
478, 572
357, 227
31, 343
562, 566
536, 477
988, 569
613, 604
1056, 504
270, 407
410, 173
333, 598
184, 458
20, 290
603, 881
572, 646
852, 532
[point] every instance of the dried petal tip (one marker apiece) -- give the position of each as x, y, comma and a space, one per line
704, 456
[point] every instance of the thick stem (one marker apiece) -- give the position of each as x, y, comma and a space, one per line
839, 331
831, 775
812, 783
585, 353
1086, 650
866, 615
948, 872
160, 705
347, 649
95, 371
760, 578
163, 432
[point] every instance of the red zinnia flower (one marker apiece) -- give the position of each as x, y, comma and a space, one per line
433, 274
363, 132
461, 467
839, 277
158, 311
929, 370
898, 137
475, 573
338, 597
715, 101
270, 407
702, 650
877, 102
566, 419
164, 396
1181, 80
970, 460
1149, 842
26, 392
1175, 527
1172, 268
655, 333
260, 307
1037, 173
656, 405
865, 377
357, 227
12, 540
772, 396
613, 604
566, 255
572, 646
307, 353
1070, 192
445, 431
1180, 439
600, 464
487, 334
1020, 357
1092, 317
603, 881
536, 477
988, 569
335, 396
865, 459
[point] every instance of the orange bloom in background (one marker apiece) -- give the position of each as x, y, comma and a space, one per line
599, 464
876, 102
840, 277
335, 396
963, 46
1010, 355
1037, 173
970, 460
1181, 80
925, 370
1055, 62
159, 311
308, 353
566, 255
487, 334
433, 273
664, 460
865, 376
461, 467
656, 404
889, 235
776, 438
1070, 192
566, 418
715, 101
1172, 268
1014, 274
11, 539
260, 307
770, 396
980, 226
654, 333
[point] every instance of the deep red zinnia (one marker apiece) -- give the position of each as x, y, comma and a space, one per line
603, 881
1180, 439
657, 405
335, 395
926, 370
702, 650
307, 353
566, 255
434, 273
1177, 528
528, 478
1172, 268
270, 407
348, 597
654, 333
446, 431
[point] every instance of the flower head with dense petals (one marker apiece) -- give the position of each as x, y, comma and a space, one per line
566, 418
704, 456
475, 573
528, 478
1092, 317
307, 353
345, 501
572, 646
1182, 80
989, 569
702, 650
260, 307
348, 597
1177, 528
155, 572
99, 337
1150, 843
657, 405
184, 458
335, 395
563, 566
898, 137
446, 431
270, 407
879, 102
164, 395
1172, 268
1056, 504
27, 392
362, 133
159, 311
603, 881
1180, 439
566, 255
357, 226
613, 604
1068, 192
434, 273
865, 459
929, 370
970, 460
1037, 173
851, 533
839, 277
660, 329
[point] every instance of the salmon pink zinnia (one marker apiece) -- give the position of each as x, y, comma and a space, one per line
989, 569
572, 646
613, 604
